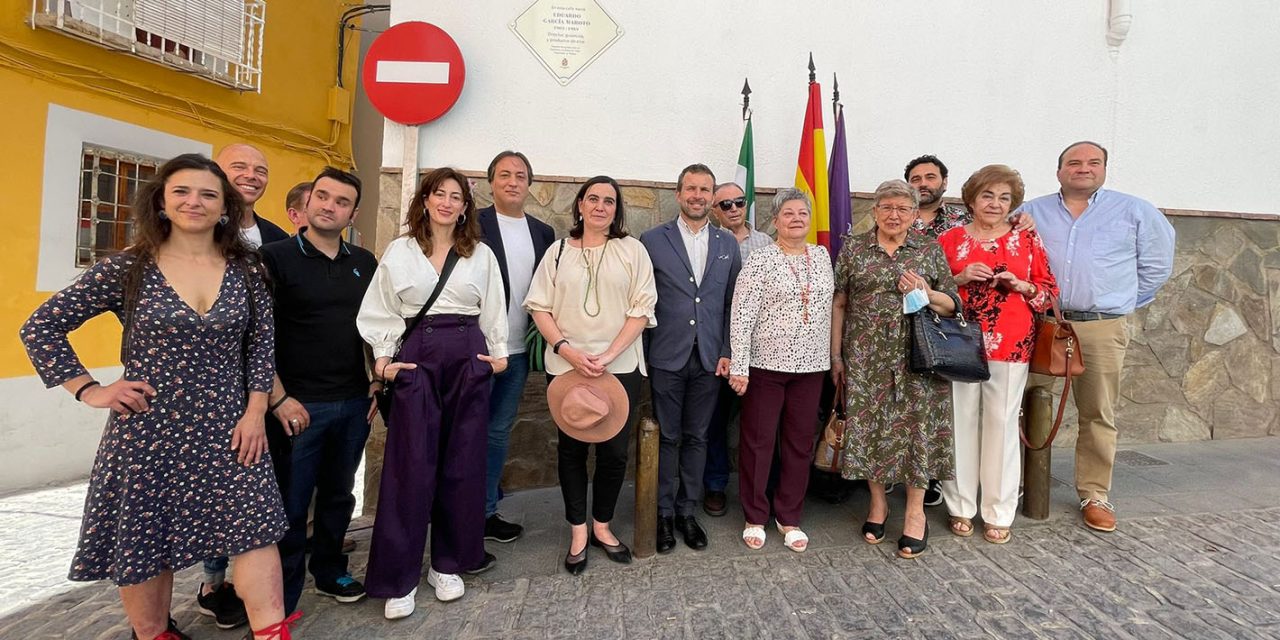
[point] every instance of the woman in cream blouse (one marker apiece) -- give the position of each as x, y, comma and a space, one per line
434, 468
591, 297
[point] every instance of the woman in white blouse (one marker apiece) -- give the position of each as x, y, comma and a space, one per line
779, 335
433, 472
591, 297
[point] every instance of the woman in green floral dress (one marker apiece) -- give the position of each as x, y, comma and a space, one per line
899, 427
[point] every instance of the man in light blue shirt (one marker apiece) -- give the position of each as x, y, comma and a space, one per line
1111, 252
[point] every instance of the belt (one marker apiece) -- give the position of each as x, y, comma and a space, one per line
1086, 316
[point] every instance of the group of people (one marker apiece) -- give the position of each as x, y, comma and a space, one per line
255, 362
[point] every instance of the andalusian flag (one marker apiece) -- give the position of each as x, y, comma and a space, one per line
811, 169
745, 175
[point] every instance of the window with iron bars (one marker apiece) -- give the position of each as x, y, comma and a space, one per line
109, 181
218, 40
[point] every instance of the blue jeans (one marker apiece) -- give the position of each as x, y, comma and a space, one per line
324, 462
715, 477
504, 401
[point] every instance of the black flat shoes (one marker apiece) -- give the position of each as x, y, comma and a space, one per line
616, 552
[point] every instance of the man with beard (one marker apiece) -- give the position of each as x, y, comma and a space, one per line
246, 168
695, 266
322, 391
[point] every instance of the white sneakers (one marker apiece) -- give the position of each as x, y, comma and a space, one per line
448, 586
401, 607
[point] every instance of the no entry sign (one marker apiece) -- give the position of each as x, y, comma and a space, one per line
413, 73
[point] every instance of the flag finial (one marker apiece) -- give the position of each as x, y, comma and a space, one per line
835, 89
812, 69
746, 98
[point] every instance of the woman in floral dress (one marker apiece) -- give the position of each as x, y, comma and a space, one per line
1003, 276
899, 427
182, 471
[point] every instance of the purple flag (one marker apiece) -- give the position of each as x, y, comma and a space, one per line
838, 188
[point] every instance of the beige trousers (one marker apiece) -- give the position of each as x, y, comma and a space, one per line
1102, 343
986, 437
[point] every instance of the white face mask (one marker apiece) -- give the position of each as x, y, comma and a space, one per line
915, 300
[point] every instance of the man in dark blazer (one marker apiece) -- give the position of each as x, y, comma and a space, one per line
246, 168
519, 241
695, 266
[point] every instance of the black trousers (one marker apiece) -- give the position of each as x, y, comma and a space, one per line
611, 464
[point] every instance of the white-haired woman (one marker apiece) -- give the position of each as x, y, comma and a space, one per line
899, 426
781, 318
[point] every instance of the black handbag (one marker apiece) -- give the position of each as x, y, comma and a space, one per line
949, 348
385, 395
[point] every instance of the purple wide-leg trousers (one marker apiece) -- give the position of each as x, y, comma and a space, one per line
434, 465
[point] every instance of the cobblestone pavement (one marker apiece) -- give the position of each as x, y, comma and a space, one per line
1194, 575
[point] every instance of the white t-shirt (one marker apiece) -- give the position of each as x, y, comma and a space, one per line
517, 241
252, 236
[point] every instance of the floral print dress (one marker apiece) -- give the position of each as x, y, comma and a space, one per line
166, 490
899, 427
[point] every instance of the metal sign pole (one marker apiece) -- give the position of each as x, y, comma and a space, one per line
408, 171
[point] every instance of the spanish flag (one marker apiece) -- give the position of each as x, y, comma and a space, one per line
811, 169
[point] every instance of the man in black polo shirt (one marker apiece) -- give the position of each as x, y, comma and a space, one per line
322, 392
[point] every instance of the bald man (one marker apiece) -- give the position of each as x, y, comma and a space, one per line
246, 167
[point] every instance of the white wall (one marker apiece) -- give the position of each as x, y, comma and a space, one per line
45, 435
1188, 107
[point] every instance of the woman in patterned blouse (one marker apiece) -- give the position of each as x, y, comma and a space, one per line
182, 472
1003, 276
899, 427
781, 317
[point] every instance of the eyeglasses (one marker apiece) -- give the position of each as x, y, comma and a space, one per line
728, 204
902, 211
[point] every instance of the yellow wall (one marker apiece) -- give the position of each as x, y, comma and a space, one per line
288, 121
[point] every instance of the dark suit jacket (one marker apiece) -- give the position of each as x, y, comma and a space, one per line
686, 310
542, 233
270, 232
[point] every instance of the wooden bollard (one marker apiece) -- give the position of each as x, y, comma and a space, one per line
646, 533
1037, 411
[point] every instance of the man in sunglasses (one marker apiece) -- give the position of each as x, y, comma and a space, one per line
730, 206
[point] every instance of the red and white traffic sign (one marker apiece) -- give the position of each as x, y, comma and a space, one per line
413, 73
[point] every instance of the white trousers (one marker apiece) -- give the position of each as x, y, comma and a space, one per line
987, 446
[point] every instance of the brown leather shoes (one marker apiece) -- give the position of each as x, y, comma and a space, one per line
1098, 515
715, 503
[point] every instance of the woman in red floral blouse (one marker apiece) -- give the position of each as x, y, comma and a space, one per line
1003, 278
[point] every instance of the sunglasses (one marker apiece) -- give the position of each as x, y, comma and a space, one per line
726, 205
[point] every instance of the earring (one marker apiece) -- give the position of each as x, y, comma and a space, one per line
462, 219
163, 215
224, 219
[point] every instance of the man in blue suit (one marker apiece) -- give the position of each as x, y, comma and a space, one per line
695, 266
519, 241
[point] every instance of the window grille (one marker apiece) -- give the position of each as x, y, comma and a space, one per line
109, 181
218, 40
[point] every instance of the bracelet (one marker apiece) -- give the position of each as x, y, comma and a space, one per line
84, 387
276, 405
556, 347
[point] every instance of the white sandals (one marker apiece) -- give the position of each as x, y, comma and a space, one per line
794, 538
753, 532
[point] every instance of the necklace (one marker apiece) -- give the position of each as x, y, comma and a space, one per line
806, 287
593, 280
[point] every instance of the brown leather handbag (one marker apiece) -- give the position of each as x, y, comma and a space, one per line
1056, 353
829, 454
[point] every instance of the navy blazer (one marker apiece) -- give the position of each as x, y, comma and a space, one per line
687, 310
542, 233
269, 230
